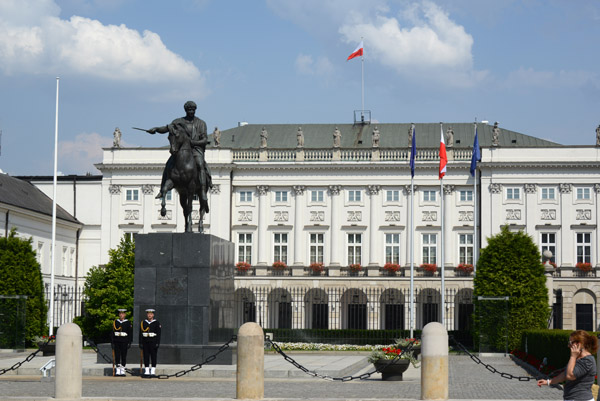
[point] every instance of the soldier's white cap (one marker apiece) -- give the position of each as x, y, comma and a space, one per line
150, 310
121, 310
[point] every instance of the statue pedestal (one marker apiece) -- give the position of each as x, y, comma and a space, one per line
188, 279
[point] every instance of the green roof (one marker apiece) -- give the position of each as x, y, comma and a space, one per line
319, 136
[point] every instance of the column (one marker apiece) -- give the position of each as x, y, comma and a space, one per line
336, 208
299, 254
373, 266
568, 257
263, 200
530, 204
449, 240
409, 229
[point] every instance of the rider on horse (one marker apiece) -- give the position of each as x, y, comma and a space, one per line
195, 128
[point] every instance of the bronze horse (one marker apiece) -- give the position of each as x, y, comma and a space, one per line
184, 177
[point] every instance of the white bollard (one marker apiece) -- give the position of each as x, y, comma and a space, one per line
434, 362
250, 378
68, 362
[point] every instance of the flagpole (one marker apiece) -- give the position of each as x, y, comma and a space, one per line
475, 242
362, 76
53, 250
413, 156
442, 240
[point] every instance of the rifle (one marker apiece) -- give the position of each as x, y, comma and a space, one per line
141, 362
113, 355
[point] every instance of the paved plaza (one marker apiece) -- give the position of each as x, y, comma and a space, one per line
282, 380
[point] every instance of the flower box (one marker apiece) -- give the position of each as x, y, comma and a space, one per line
391, 370
316, 268
354, 268
279, 265
429, 267
391, 268
584, 267
465, 268
242, 266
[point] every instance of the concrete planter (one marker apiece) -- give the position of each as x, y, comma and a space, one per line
391, 371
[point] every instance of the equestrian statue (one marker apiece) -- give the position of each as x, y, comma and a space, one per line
186, 170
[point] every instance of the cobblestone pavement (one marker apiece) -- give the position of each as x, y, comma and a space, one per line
467, 380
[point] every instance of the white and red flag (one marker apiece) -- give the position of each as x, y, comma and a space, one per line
443, 157
357, 52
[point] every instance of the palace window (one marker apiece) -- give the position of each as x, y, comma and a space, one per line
548, 241
317, 196
245, 247
132, 195
466, 196
280, 247
392, 248
465, 248
583, 194
513, 193
429, 196
281, 196
584, 248
392, 195
548, 193
354, 195
246, 196
354, 248
430, 248
316, 248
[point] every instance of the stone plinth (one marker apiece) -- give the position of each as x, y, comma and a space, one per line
188, 279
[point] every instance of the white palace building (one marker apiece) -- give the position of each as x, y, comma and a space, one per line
341, 195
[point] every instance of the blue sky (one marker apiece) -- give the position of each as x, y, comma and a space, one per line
531, 65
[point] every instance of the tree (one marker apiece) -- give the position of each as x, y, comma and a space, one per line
108, 288
510, 265
21, 275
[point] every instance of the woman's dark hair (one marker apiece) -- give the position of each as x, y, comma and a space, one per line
588, 341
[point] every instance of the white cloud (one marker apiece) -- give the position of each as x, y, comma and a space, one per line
429, 45
34, 40
306, 65
80, 155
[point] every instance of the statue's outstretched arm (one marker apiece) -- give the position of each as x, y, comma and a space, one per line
161, 130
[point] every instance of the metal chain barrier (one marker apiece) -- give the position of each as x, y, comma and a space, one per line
330, 378
28, 359
503, 374
177, 374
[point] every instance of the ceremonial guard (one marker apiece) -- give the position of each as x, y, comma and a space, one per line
120, 338
149, 340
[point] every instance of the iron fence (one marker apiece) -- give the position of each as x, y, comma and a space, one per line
351, 308
68, 303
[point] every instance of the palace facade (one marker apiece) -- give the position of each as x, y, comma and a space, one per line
342, 195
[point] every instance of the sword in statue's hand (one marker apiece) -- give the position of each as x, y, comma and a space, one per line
145, 130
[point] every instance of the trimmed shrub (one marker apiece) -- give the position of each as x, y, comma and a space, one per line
510, 266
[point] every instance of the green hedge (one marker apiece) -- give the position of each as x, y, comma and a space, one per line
550, 344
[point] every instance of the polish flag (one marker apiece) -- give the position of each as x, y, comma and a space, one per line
443, 157
357, 52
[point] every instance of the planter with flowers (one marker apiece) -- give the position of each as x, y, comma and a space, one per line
391, 268
278, 267
393, 361
316, 268
465, 269
584, 267
46, 344
429, 268
242, 268
354, 268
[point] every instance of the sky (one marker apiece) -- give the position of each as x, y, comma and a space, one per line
531, 65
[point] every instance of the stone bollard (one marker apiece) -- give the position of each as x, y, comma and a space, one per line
434, 362
68, 362
250, 378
